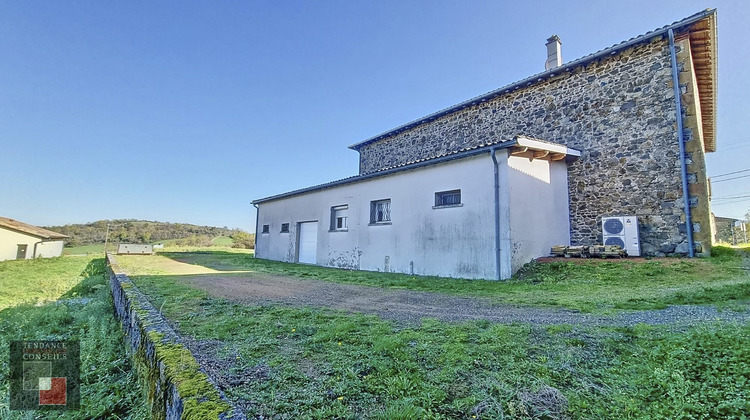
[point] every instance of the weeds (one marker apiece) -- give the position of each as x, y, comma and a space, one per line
109, 388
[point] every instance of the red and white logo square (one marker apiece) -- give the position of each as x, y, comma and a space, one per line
53, 391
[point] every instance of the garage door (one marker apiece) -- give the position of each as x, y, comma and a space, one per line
308, 242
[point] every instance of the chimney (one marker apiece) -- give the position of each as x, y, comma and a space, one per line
554, 57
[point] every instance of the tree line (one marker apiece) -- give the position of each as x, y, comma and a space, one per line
145, 232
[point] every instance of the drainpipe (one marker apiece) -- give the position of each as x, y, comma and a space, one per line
497, 213
33, 256
257, 217
681, 139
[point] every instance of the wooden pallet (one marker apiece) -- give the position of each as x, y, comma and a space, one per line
602, 251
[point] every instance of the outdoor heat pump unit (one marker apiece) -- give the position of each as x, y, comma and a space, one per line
622, 231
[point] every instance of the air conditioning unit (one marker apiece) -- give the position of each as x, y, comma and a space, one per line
622, 231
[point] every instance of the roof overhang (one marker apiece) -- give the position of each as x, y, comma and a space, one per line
705, 52
30, 230
518, 146
539, 149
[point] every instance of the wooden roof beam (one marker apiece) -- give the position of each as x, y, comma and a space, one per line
557, 156
539, 154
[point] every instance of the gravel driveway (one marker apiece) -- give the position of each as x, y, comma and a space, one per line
409, 307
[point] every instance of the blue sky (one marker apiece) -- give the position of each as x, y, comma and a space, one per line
187, 111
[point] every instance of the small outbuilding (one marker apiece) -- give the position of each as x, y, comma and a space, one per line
21, 241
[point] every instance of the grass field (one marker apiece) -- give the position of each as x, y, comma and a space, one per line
84, 250
585, 285
68, 298
315, 363
220, 242
223, 241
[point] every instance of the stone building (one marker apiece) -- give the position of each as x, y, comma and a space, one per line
641, 113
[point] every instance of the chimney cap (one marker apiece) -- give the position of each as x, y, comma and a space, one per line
554, 38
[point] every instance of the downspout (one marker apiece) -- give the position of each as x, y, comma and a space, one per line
681, 139
497, 213
33, 256
257, 217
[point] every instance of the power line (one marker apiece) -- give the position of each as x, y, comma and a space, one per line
733, 147
730, 173
731, 197
736, 141
723, 203
729, 179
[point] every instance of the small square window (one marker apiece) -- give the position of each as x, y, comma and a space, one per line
339, 217
266, 228
285, 228
448, 198
380, 211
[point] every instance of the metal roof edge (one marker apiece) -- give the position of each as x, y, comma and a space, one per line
516, 140
36, 234
541, 76
416, 165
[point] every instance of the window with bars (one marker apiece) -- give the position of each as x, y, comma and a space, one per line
285, 228
266, 229
448, 198
339, 216
380, 211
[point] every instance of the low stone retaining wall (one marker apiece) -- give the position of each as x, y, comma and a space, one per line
177, 387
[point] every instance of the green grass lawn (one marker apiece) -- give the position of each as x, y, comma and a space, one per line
40, 280
223, 241
84, 250
304, 363
41, 300
585, 285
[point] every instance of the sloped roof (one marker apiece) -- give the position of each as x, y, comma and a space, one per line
705, 51
520, 142
702, 29
30, 229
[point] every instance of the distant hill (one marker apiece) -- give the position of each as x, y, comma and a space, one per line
143, 231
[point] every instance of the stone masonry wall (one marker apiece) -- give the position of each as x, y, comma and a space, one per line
619, 112
152, 343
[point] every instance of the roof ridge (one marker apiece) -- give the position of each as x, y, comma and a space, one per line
30, 229
528, 81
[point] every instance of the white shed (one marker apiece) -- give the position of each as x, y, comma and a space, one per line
477, 213
20, 241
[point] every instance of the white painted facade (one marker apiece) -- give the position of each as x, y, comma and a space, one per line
11, 239
422, 239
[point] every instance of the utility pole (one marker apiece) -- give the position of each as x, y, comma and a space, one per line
106, 239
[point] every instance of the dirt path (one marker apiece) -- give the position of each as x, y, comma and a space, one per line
408, 306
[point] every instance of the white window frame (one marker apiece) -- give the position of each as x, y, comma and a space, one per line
266, 229
336, 216
284, 230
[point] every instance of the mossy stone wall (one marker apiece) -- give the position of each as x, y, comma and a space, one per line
177, 387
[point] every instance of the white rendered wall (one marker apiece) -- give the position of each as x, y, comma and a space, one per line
48, 249
450, 242
10, 239
539, 212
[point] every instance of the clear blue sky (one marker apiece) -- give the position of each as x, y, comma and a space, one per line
187, 111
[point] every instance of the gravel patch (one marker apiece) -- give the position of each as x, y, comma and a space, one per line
409, 307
